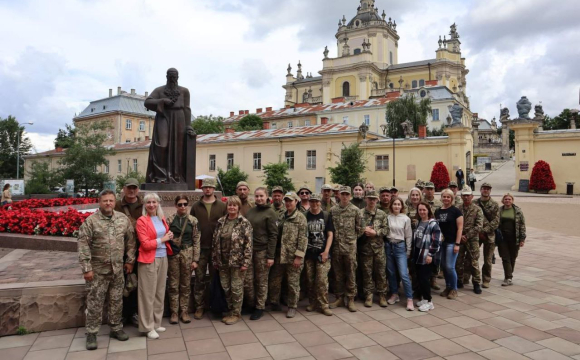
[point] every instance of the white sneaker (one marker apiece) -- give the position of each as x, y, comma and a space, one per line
427, 306
153, 335
420, 303
160, 329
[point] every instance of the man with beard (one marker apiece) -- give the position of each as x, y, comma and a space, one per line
208, 210
326, 200
453, 187
243, 190
167, 152
336, 191
277, 195
384, 198
468, 259
304, 204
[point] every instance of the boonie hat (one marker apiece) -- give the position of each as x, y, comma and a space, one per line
208, 183
132, 182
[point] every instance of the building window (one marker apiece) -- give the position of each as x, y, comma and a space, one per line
391, 85
356, 51
306, 122
230, 161
106, 167
345, 120
290, 159
119, 166
135, 165
391, 57
290, 124
311, 160
141, 125
128, 124
274, 125
414, 84
367, 120
346, 89
382, 162
421, 82
257, 161
435, 114
212, 163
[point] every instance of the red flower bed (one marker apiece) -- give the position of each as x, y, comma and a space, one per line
40, 203
40, 222
542, 179
440, 176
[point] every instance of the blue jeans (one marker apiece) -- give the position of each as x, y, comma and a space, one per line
397, 260
448, 259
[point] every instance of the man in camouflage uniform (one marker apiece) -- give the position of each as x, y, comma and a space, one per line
243, 191
435, 204
453, 187
304, 193
491, 215
469, 250
277, 201
104, 238
384, 198
372, 250
336, 192
181, 265
326, 201
347, 222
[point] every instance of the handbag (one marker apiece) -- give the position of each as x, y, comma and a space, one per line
498, 236
176, 243
217, 302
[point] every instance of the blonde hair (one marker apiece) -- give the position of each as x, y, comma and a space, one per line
235, 200
155, 197
417, 190
448, 192
506, 195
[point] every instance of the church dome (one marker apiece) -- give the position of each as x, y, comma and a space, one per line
364, 17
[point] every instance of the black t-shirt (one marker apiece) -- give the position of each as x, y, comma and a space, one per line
447, 219
317, 233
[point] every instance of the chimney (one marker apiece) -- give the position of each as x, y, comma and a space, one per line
232, 113
146, 137
324, 120
268, 109
58, 149
258, 110
110, 92
132, 91
247, 112
230, 131
118, 90
422, 131
241, 112
146, 93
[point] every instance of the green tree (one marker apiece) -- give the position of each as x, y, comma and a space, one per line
208, 125
122, 179
85, 154
562, 121
228, 180
65, 137
405, 108
277, 175
437, 132
10, 132
352, 165
42, 179
249, 123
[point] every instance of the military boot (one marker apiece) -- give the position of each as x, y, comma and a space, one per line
369, 301
173, 319
119, 335
351, 305
91, 342
185, 317
310, 308
338, 303
198, 314
445, 292
383, 300
233, 319
326, 311
452, 295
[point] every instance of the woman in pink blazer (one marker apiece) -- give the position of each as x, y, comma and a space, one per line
153, 234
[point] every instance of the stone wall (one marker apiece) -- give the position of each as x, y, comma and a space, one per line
491, 150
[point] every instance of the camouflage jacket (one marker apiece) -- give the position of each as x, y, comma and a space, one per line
293, 237
458, 201
102, 242
241, 244
490, 218
412, 213
280, 210
195, 234
326, 207
348, 227
435, 204
520, 223
472, 221
301, 209
380, 224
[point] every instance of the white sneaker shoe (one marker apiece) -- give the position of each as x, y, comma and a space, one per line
427, 306
420, 303
153, 335
160, 329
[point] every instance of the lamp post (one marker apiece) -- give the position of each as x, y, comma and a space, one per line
18, 150
385, 128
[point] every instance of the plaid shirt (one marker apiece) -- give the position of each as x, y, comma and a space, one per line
430, 243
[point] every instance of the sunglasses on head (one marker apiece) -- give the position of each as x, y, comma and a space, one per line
182, 205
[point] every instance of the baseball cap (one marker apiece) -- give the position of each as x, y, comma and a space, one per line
242, 183
429, 185
336, 187
132, 182
315, 197
345, 189
384, 188
278, 188
208, 183
304, 188
466, 191
394, 188
453, 183
326, 187
371, 194
486, 184
291, 195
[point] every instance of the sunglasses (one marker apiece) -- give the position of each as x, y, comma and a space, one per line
305, 193
182, 205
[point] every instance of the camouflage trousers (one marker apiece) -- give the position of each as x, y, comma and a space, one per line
232, 280
373, 264
179, 280
488, 249
104, 287
256, 281
200, 289
275, 282
467, 262
344, 266
317, 282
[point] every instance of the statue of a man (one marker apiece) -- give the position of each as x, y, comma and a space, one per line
168, 150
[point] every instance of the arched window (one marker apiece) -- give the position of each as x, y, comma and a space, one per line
356, 51
392, 86
375, 85
414, 84
421, 82
346, 89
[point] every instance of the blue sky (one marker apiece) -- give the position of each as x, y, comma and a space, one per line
233, 54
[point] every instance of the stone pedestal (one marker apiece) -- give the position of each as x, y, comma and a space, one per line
505, 140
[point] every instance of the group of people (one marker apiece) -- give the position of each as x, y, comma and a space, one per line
269, 248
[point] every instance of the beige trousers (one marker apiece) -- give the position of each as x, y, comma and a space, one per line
152, 279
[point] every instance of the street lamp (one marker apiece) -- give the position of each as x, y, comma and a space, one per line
385, 128
18, 150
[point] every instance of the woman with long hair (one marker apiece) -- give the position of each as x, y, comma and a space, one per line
358, 199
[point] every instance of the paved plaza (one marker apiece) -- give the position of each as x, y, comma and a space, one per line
537, 318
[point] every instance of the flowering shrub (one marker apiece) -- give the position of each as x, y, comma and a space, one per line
40, 203
440, 176
542, 179
40, 222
